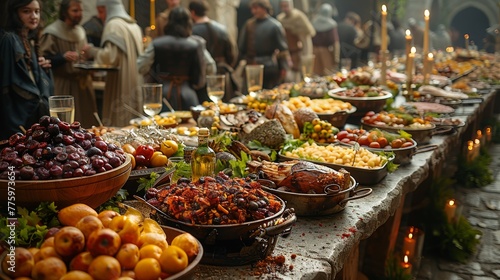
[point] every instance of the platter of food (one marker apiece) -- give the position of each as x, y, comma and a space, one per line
366, 167
94, 66
364, 98
162, 120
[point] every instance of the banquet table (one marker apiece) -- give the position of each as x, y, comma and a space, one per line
328, 247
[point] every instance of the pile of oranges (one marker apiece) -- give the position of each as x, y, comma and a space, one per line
105, 245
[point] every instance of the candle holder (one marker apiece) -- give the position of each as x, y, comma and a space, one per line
383, 68
412, 247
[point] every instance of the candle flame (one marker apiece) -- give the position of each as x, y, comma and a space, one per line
153, 27
476, 141
466, 36
426, 14
410, 235
384, 9
451, 202
479, 133
430, 55
469, 147
405, 259
450, 49
488, 130
408, 32
413, 50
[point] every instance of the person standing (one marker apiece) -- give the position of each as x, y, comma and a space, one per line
262, 41
24, 75
349, 35
62, 42
95, 25
121, 44
299, 32
162, 18
177, 61
218, 42
326, 42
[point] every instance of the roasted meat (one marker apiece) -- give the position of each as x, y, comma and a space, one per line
301, 176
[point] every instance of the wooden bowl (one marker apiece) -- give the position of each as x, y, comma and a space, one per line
91, 190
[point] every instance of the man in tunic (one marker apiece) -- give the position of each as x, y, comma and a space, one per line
263, 41
95, 25
299, 32
218, 42
62, 42
326, 42
121, 44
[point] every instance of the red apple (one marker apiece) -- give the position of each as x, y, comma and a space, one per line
18, 263
81, 261
103, 242
69, 241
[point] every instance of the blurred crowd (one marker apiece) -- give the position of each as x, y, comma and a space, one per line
183, 46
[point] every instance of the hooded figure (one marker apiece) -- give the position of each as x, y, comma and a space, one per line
326, 42
121, 44
299, 32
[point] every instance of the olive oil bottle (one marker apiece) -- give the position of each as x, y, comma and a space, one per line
203, 158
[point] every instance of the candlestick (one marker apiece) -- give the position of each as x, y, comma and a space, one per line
132, 8
406, 265
428, 65
470, 151
450, 210
383, 29
466, 37
488, 133
477, 148
409, 245
426, 32
409, 73
409, 40
152, 15
383, 69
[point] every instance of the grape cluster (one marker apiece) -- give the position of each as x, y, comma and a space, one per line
54, 149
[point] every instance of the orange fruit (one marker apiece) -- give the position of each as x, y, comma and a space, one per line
106, 216
152, 238
23, 265
77, 275
173, 259
70, 215
150, 251
49, 242
88, 224
128, 255
45, 253
147, 269
49, 269
105, 268
188, 243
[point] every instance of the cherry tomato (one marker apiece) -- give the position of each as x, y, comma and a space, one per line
396, 143
146, 151
374, 145
341, 135
363, 140
382, 141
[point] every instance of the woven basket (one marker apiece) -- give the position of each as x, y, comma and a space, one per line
91, 190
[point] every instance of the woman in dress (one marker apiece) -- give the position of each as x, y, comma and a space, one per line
24, 75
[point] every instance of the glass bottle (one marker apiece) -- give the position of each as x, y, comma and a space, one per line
203, 158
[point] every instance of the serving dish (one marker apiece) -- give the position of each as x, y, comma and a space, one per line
92, 190
363, 176
332, 201
363, 104
421, 135
337, 119
94, 66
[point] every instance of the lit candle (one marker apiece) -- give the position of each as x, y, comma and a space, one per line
408, 41
409, 69
466, 37
383, 29
477, 147
406, 266
426, 32
450, 210
132, 8
470, 150
152, 15
428, 65
488, 134
409, 244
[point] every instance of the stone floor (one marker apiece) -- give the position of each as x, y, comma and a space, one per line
482, 209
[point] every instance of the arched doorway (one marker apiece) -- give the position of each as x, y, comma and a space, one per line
470, 21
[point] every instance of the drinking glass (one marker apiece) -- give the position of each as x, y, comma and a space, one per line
216, 85
307, 68
255, 78
62, 107
152, 99
345, 65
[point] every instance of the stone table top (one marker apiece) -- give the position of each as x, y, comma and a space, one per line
322, 244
